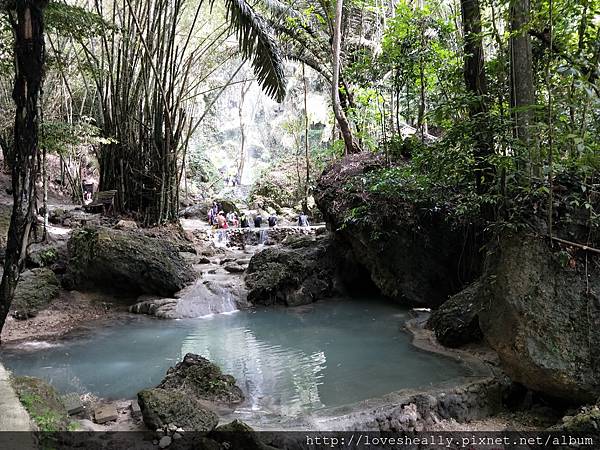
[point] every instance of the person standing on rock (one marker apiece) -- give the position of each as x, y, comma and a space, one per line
215, 211
272, 220
244, 221
303, 220
258, 221
221, 220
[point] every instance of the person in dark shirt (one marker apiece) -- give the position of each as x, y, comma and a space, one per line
244, 221
303, 220
272, 220
258, 221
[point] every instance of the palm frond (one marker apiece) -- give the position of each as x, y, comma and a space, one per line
258, 45
280, 9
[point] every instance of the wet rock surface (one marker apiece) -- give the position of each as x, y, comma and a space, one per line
425, 411
126, 261
456, 322
299, 272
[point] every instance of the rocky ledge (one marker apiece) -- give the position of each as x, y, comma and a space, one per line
300, 271
411, 251
126, 261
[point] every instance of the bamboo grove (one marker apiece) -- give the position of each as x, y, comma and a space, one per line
496, 94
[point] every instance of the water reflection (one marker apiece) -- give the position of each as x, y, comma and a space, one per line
275, 379
287, 361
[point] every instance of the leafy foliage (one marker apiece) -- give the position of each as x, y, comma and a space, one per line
257, 44
61, 137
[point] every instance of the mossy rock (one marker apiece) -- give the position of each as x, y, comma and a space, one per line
298, 273
237, 434
127, 262
227, 206
203, 380
456, 322
161, 407
541, 318
45, 255
587, 421
36, 290
42, 402
584, 423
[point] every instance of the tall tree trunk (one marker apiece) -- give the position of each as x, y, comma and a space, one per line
349, 142
476, 84
306, 148
522, 88
27, 20
240, 171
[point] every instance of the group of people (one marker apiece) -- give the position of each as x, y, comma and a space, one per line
257, 221
231, 180
219, 219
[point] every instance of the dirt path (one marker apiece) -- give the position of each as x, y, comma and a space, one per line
69, 311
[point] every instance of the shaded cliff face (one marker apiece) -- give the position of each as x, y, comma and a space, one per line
412, 251
540, 311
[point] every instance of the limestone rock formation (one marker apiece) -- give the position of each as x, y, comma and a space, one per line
299, 272
35, 290
126, 261
199, 378
411, 250
541, 314
456, 321
162, 407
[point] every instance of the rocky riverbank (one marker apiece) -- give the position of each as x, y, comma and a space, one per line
536, 290
531, 300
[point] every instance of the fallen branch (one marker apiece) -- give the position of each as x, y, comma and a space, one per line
575, 244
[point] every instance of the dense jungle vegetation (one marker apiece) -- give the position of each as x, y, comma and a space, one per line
487, 108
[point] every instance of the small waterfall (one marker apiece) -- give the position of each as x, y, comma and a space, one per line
220, 238
206, 298
263, 235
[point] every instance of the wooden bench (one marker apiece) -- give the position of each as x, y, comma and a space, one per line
104, 202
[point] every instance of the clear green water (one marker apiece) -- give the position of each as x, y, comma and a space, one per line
288, 361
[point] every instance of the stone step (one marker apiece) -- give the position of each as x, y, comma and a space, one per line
105, 413
72, 403
136, 411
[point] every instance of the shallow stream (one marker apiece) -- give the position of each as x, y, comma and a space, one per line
289, 362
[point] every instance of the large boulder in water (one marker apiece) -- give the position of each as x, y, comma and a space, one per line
410, 245
199, 378
162, 407
541, 313
35, 290
456, 322
297, 273
126, 261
